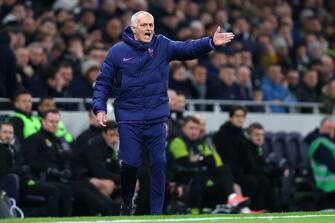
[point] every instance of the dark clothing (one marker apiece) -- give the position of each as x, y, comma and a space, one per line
229, 142
8, 82
311, 136
85, 136
58, 198
185, 88
44, 152
323, 154
306, 94
49, 160
255, 179
99, 160
206, 176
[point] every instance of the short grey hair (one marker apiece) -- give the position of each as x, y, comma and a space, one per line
133, 20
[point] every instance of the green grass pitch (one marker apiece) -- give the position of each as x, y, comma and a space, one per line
296, 217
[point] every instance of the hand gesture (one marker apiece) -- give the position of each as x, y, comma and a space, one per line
102, 119
222, 38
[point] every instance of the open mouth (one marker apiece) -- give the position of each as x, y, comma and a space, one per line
147, 34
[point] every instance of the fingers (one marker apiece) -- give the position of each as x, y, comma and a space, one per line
102, 119
218, 29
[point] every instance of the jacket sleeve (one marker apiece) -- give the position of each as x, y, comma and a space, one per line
96, 164
103, 84
191, 49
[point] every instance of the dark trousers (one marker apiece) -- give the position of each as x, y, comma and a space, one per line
132, 138
10, 183
261, 191
87, 196
207, 190
58, 196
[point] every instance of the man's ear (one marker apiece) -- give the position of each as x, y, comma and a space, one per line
133, 29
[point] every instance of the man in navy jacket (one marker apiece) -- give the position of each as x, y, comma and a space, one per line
137, 69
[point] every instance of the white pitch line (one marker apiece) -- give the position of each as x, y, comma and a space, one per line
198, 219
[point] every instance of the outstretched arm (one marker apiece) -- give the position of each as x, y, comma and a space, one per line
102, 88
191, 49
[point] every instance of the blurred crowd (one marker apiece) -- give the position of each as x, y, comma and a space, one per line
283, 50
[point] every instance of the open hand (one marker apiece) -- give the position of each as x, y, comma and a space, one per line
222, 38
102, 119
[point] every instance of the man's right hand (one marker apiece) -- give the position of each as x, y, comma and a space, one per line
102, 118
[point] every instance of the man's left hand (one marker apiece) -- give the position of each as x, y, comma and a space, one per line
222, 38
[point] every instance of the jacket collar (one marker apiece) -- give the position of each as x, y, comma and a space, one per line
128, 37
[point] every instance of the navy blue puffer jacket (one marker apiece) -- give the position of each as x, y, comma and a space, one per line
138, 73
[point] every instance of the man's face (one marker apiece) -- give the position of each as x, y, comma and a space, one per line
6, 133
257, 136
144, 29
328, 128
238, 118
50, 122
111, 137
47, 104
191, 130
24, 103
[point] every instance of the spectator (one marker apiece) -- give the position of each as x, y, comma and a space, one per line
24, 122
179, 81
189, 159
82, 85
12, 164
274, 90
244, 81
308, 91
293, 79
92, 131
320, 154
229, 141
199, 79
48, 103
98, 161
47, 157
8, 67
258, 172
328, 98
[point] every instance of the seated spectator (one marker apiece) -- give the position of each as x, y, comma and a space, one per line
89, 133
98, 161
328, 98
321, 154
257, 96
308, 91
8, 83
180, 82
244, 81
24, 122
58, 203
82, 86
261, 171
48, 103
293, 79
274, 90
195, 161
50, 161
